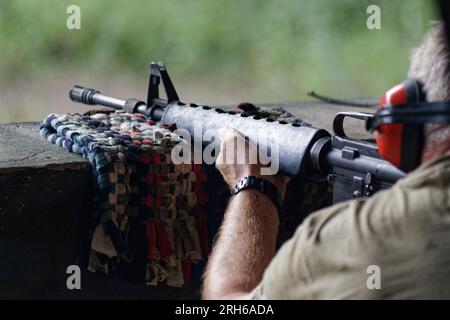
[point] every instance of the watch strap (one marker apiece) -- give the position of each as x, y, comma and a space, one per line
262, 185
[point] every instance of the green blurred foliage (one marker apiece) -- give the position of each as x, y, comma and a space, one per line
274, 50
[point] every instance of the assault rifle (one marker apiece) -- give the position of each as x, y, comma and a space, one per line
353, 167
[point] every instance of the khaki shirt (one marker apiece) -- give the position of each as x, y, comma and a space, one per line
394, 245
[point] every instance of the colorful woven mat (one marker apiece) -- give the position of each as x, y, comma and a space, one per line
148, 221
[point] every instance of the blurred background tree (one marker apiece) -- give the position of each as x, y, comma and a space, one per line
218, 52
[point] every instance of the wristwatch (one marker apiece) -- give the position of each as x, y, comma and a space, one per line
262, 185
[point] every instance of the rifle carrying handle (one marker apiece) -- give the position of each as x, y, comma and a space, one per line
338, 122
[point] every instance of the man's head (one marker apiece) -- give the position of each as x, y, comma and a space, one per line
430, 66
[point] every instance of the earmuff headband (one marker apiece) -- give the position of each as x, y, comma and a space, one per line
411, 113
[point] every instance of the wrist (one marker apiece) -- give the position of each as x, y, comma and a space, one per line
276, 180
262, 202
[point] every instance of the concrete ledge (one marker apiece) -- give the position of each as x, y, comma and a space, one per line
21, 146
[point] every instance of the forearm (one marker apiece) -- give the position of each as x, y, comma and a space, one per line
244, 248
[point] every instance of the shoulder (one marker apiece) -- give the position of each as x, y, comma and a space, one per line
333, 250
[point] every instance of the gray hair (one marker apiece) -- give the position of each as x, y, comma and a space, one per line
430, 64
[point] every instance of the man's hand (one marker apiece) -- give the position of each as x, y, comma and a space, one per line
247, 239
234, 167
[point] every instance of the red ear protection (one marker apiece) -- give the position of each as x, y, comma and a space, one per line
398, 123
399, 143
